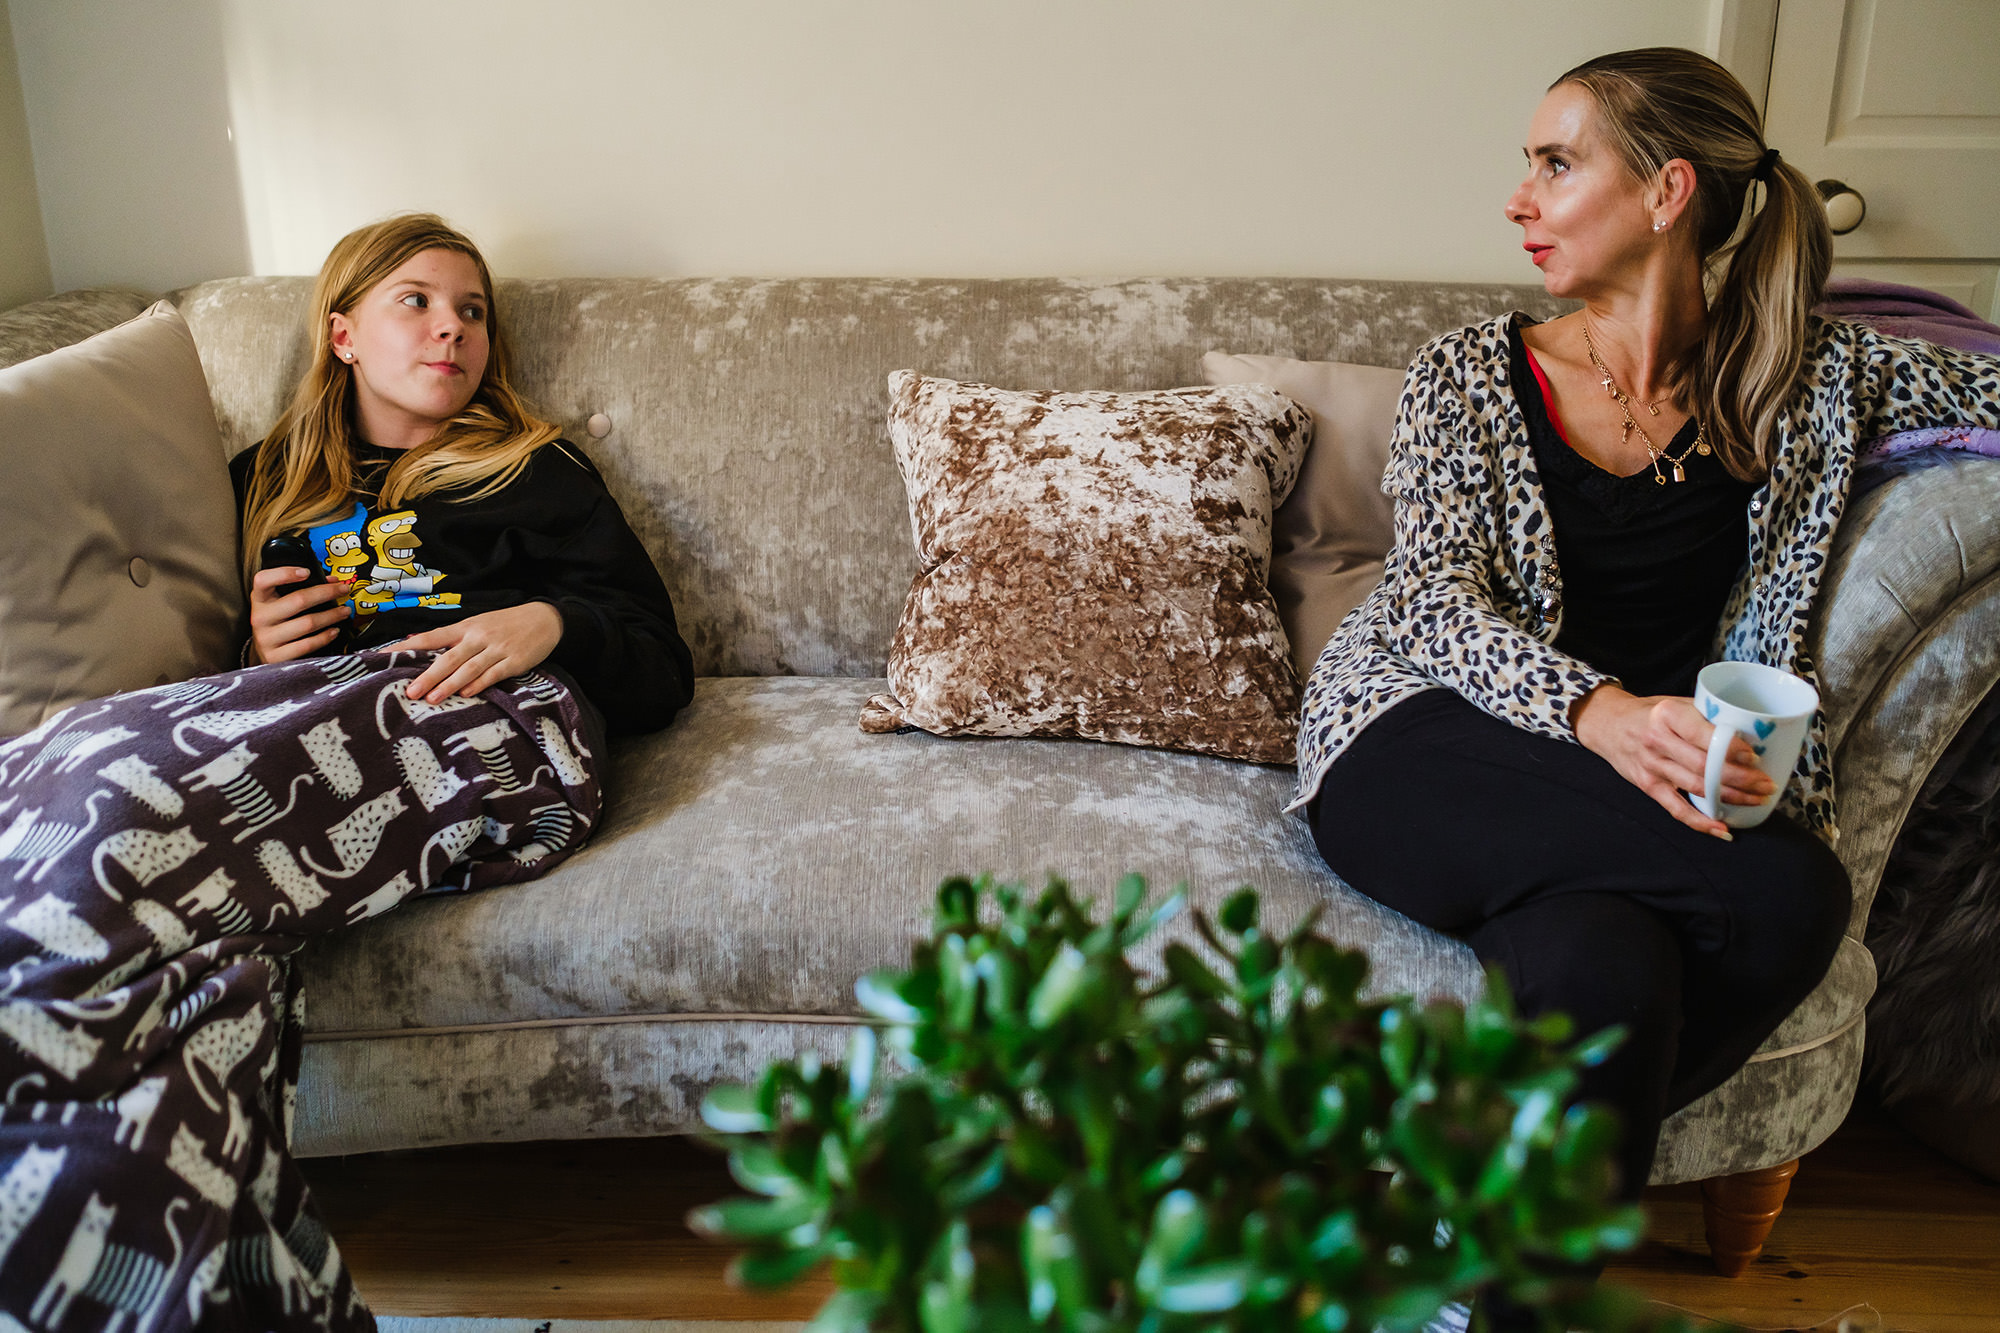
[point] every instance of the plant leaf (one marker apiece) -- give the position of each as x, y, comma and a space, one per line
1210, 1289
732, 1109
1061, 986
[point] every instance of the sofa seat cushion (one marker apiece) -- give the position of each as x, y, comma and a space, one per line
761, 854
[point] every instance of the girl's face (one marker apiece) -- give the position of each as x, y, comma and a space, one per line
417, 344
1584, 219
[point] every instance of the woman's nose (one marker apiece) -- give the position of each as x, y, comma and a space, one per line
1517, 206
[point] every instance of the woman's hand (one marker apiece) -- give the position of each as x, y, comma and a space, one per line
482, 650
296, 624
1660, 746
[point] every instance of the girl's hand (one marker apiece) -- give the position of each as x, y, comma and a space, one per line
1660, 746
482, 650
296, 624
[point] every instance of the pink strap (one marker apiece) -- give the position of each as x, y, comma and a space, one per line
1548, 399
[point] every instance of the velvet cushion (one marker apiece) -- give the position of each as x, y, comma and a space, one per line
1093, 565
117, 523
1329, 537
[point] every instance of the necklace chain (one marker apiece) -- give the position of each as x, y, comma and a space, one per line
1699, 445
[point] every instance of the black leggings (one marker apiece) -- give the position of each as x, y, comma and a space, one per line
1590, 897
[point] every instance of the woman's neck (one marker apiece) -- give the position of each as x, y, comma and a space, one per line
1641, 335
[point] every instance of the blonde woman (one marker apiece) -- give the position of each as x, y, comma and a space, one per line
1497, 742
456, 616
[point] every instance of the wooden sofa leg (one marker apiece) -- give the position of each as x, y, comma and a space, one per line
1737, 1212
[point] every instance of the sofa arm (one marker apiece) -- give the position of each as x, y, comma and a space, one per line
40, 327
1907, 635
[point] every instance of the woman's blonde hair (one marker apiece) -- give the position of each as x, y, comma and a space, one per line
1765, 274
304, 469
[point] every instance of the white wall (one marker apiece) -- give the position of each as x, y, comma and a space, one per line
24, 255
789, 137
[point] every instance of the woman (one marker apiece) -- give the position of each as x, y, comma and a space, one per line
1496, 744
499, 617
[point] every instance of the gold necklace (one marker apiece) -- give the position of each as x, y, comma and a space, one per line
1699, 445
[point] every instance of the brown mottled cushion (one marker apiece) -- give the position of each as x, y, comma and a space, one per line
1093, 565
117, 523
1330, 536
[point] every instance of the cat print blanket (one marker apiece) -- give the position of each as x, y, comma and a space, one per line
162, 855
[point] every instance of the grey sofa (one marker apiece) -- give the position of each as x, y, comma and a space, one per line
763, 852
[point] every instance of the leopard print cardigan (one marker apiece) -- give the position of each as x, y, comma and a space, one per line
1471, 596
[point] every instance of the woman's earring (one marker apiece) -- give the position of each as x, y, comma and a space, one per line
1659, 224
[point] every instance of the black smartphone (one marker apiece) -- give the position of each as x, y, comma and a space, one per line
294, 550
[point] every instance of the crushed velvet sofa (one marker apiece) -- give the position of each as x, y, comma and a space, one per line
762, 852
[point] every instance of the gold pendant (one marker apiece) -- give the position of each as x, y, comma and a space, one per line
1701, 447
1658, 480
1678, 474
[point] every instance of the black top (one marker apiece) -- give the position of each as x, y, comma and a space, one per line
553, 534
1646, 568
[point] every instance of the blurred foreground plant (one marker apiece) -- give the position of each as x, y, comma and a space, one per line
1057, 1140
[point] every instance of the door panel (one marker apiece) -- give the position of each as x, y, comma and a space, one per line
1901, 100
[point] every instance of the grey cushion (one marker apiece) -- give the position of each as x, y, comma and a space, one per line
117, 523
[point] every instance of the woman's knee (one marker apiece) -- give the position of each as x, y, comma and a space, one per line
1789, 915
1600, 959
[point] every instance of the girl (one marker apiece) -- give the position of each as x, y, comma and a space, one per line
495, 618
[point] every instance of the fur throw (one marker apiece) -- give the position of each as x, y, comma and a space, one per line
1934, 1024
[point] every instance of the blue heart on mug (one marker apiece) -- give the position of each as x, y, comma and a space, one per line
1764, 729
1710, 707
1757, 749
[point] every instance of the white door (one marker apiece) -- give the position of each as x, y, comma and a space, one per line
1899, 99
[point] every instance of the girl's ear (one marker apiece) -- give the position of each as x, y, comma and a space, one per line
340, 335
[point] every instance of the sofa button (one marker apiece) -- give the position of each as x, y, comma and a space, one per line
599, 425
141, 572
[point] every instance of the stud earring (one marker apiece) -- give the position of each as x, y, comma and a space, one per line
1659, 224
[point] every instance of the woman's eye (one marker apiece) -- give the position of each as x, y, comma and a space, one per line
1557, 166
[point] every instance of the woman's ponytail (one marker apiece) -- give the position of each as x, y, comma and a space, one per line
1765, 275
1750, 360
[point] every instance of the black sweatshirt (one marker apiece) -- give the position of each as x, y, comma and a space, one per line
553, 534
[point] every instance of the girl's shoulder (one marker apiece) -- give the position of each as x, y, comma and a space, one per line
563, 465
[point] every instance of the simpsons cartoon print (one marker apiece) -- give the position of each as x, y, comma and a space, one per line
376, 557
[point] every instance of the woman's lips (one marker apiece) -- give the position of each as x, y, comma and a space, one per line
446, 367
1538, 253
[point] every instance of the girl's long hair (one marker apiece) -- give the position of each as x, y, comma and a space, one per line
304, 469
1764, 273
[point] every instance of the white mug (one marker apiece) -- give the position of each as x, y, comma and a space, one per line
1767, 707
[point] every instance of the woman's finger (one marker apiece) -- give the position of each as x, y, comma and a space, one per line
1680, 808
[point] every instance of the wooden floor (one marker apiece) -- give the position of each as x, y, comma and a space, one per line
595, 1230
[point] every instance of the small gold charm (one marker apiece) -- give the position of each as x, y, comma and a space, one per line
1701, 447
1678, 474
1658, 480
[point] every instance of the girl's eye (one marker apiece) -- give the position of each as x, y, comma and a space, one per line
473, 314
416, 301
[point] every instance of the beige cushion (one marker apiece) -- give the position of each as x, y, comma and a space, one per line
117, 523
1329, 538
1093, 564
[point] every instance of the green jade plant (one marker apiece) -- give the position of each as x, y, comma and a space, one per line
1055, 1139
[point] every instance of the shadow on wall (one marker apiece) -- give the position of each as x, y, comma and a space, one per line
135, 159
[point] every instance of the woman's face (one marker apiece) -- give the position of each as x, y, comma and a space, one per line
417, 344
1584, 218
